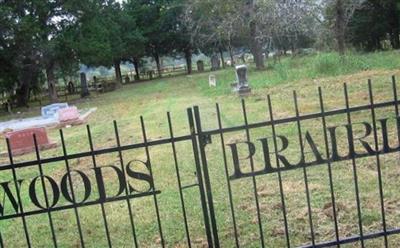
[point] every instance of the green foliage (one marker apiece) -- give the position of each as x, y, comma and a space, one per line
33, 39
56, 36
327, 64
373, 23
332, 64
93, 44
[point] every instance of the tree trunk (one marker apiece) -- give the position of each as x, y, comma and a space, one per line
188, 57
255, 46
28, 76
340, 27
378, 43
51, 82
136, 65
117, 68
231, 55
22, 96
157, 59
221, 52
394, 25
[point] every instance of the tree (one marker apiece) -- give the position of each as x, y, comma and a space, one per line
368, 26
212, 25
394, 23
18, 56
255, 44
338, 14
290, 25
34, 34
30, 32
109, 34
179, 37
51, 19
374, 22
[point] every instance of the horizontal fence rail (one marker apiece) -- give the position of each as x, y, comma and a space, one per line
210, 132
244, 162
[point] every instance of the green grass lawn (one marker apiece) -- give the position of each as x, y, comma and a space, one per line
154, 99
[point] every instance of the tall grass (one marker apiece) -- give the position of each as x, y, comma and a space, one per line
291, 69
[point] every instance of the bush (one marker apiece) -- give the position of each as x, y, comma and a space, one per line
333, 64
327, 64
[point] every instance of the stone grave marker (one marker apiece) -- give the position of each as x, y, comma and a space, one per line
21, 141
68, 114
150, 74
200, 65
71, 88
215, 62
242, 85
127, 79
51, 111
212, 80
84, 85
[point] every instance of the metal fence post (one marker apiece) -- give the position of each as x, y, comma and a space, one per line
199, 175
203, 140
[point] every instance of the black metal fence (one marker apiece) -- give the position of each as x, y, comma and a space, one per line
50, 195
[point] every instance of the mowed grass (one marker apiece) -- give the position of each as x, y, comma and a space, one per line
152, 100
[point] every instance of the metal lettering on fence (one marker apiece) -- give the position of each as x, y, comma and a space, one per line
265, 155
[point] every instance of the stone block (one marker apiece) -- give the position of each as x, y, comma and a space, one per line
51, 111
68, 114
21, 141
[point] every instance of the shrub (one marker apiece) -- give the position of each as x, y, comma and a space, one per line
327, 64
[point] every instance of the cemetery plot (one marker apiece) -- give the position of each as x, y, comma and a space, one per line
52, 116
239, 181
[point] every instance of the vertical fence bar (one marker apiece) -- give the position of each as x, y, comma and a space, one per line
78, 222
28, 242
302, 161
396, 108
171, 133
44, 190
103, 211
202, 145
353, 161
260, 227
271, 116
378, 162
128, 202
200, 178
228, 182
328, 155
151, 174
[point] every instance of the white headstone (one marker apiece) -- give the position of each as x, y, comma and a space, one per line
212, 80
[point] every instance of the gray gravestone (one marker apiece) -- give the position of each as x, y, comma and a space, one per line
127, 79
8, 106
84, 85
150, 73
200, 65
242, 85
71, 88
215, 62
